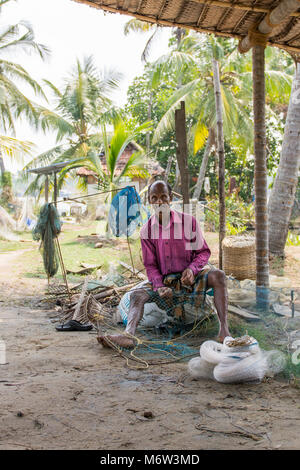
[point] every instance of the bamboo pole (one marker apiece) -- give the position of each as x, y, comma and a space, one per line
260, 178
63, 269
221, 155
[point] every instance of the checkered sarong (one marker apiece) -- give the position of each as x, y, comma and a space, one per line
194, 295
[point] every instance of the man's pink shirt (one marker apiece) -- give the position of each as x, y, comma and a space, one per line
173, 248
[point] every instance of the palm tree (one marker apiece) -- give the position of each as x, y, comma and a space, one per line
113, 147
138, 26
199, 93
13, 103
236, 91
283, 192
14, 149
81, 108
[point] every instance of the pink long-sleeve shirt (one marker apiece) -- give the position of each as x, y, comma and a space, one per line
173, 247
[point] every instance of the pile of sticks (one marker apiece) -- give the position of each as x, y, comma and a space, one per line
93, 308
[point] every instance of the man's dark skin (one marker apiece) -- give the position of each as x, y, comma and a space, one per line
160, 198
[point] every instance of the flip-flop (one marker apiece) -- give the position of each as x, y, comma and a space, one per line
73, 325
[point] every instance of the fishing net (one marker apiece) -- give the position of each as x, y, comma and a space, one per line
26, 219
237, 360
7, 226
46, 230
160, 338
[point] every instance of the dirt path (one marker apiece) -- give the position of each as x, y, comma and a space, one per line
8, 258
62, 391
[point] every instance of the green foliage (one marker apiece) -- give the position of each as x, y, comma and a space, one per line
13, 39
293, 239
235, 230
7, 197
6, 179
82, 107
140, 98
185, 73
239, 215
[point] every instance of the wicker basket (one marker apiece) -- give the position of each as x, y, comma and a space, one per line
239, 258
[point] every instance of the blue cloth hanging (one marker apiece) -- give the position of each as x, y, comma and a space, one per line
126, 212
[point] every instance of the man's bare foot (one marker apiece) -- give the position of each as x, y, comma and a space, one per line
222, 334
119, 340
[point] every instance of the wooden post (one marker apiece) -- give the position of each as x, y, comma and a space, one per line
181, 151
260, 178
46, 189
55, 189
221, 155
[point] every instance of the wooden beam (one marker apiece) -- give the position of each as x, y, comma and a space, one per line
260, 177
271, 20
55, 189
182, 151
46, 189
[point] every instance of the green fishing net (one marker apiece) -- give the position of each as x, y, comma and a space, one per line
46, 230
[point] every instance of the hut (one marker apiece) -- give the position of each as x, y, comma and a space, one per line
154, 169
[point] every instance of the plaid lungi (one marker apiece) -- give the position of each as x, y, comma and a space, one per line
194, 294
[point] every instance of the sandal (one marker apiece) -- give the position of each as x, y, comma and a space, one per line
73, 325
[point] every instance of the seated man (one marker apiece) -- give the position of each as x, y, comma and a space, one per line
175, 254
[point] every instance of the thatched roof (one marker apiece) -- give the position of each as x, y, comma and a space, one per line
224, 18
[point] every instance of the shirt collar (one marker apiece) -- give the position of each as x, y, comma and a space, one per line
175, 218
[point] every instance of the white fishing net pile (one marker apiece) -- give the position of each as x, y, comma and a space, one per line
235, 361
7, 226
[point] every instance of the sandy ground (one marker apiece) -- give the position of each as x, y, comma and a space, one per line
63, 391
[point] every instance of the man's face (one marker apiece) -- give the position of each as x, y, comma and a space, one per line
160, 198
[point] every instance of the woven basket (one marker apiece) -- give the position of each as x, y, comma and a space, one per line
239, 258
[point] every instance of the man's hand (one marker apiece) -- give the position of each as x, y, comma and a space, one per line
187, 277
165, 292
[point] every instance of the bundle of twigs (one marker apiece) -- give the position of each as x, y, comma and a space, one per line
87, 308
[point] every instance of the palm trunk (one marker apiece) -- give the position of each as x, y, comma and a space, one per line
201, 176
149, 119
168, 169
283, 192
261, 214
182, 151
221, 155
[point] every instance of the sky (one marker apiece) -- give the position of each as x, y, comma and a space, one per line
72, 30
